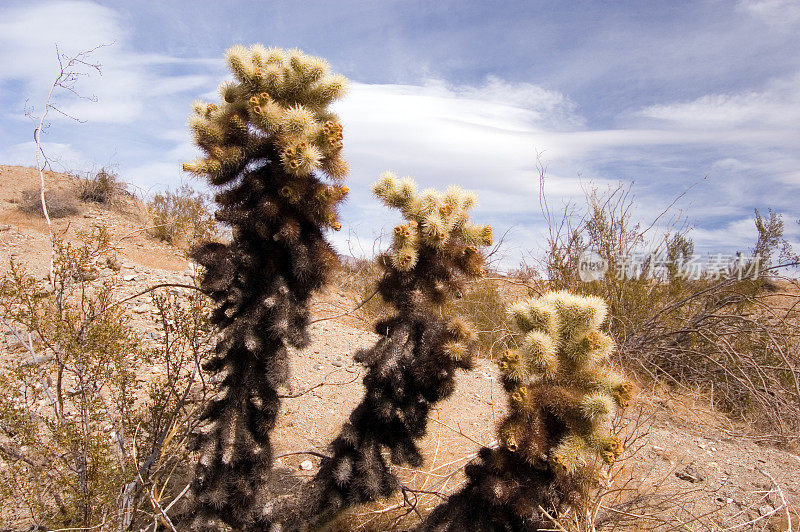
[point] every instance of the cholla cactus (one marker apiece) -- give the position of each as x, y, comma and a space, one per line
267, 145
561, 394
412, 366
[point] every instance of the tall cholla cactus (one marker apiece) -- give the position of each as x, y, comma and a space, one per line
267, 145
561, 395
412, 365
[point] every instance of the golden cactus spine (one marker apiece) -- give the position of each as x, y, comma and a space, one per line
561, 368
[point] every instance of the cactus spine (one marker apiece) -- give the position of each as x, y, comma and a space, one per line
412, 365
268, 144
561, 394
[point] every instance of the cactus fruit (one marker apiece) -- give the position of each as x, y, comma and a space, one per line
267, 146
412, 365
561, 395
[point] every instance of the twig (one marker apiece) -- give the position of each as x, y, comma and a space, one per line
323, 383
349, 311
293, 453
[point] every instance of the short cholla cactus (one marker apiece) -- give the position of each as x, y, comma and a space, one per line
268, 144
561, 371
561, 394
413, 364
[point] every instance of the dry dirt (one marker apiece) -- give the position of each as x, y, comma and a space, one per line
685, 463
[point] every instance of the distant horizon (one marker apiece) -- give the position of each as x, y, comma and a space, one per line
664, 95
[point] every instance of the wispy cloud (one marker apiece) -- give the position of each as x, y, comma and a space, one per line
628, 100
776, 13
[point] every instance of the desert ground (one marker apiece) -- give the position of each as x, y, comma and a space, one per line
685, 467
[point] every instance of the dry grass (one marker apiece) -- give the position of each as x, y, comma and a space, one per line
183, 218
104, 188
60, 203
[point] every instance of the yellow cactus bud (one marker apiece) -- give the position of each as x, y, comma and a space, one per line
297, 121
541, 353
577, 315
567, 455
513, 365
622, 394
519, 396
535, 315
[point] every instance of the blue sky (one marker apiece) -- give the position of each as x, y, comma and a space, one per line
663, 94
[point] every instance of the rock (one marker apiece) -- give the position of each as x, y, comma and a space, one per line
690, 474
317, 366
153, 335
113, 264
129, 278
141, 309
337, 363
306, 465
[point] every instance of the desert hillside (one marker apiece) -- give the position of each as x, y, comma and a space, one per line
686, 466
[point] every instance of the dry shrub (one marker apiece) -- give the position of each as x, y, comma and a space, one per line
183, 218
484, 304
60, 203
89, 438
105, 188
357, 278
735, 337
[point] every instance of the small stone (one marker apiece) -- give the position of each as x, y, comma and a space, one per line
317, 366
690, 474
337, 363
129, 278
306, 465
141, 309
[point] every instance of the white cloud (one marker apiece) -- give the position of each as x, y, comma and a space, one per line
62, 157
119, 93
484, 137
775, 108
776, 13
